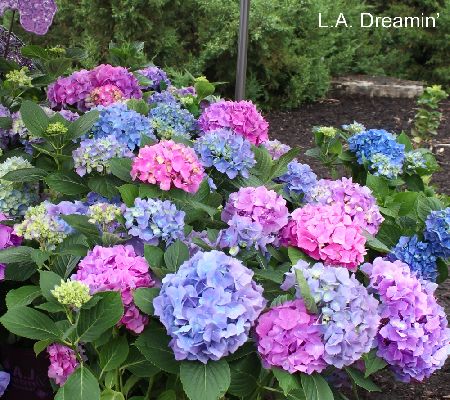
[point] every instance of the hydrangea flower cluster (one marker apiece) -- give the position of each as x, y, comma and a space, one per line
93, 154
71, 293
15, 198
276, 149
19, 77
105, 215
169, 119
289, 337
414, 160
437, 232
8, 238
418, 255
209, 306
326, 233
118, 269
299, 178
241, 117
414, 336
348, 314
153, 220
168, 164
253, 213
36, 16
63, 363
156, 76
380, 149
83, 86
104, 96
229, 153
163, 97
126, 125
356, 200
354, 128
327, 131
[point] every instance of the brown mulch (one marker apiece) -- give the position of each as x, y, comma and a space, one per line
294, 128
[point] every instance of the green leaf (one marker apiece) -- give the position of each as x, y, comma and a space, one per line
68, 183
48, 281
154, 255
81, 224
244, 376
121, 167
28, 323
109, 394
205, 381
295, 255
427, 204
281, 299
414, 183
34, 118
176, 254
376, 244
82, 125
25, 175
35, 52
372, 363
138, 365
92, 322
113, 354
22, 296
20, 271
143, 298
81, 385
167, 395
203, 88
378, 185
281, 164
442, 268
21, 254
153, 343
264, 162
129, 193
149, 191
359, 379
305, 292
316, 387
140, 106
146, 141
103, 185
288, 382
41, 345
51, 307
404, 139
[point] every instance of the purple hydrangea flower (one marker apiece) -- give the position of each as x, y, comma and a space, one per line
413, 337
156, 76
437, 232
276, 149
5, 378
209, 306
162, 97
230, 154
418, 255
348, 314
299, 178
153, 220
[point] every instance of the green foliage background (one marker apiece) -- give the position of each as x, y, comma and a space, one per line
291, 60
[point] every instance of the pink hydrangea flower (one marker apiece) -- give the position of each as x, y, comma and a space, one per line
63, 362
326, 233
241, 117
168, 164
8, 238
85, 89
119, 269
289, 337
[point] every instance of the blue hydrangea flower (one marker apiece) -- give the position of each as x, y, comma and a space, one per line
229, 153
169, 119
209, 306
418, 255
437, 232
163, 97
380, 149
126, 125
414, 160
348, 314
154, 220
354, 128
299, 179
156, 76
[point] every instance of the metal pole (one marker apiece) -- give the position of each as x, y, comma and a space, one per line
241, 68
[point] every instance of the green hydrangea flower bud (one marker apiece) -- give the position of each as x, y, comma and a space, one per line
56, 128
19, 77
72, 293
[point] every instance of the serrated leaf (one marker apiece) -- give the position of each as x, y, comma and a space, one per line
82, 125
25, 175
143, 298
372, 363
67, 183
305, 292
280, 166
103, 185
176, 254
34, 118
121, 167
113, 354
359, 379
376, 244
138, 365
19, 254
22, 296
129, 193
81, 385
316, 387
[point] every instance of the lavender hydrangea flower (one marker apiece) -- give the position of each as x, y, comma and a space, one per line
413, 337
437, 232
126, 125
298, 179
348, 314
5, 378
209, 306
162, 97
94, 154
276, 149
157, 76
153, 220
418, 255
230, 154
169, 119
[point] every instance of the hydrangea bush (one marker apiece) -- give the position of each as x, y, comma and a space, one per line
162, 247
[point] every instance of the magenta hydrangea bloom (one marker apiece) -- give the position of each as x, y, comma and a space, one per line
8, 238
168, 164
63, 363
86, 89
326, 233
241, 117
356, 200
36, 16
289, 337
413, 337
119, 269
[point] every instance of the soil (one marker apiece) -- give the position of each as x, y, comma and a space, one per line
294, 128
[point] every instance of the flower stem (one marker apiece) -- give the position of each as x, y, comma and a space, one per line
8, 39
